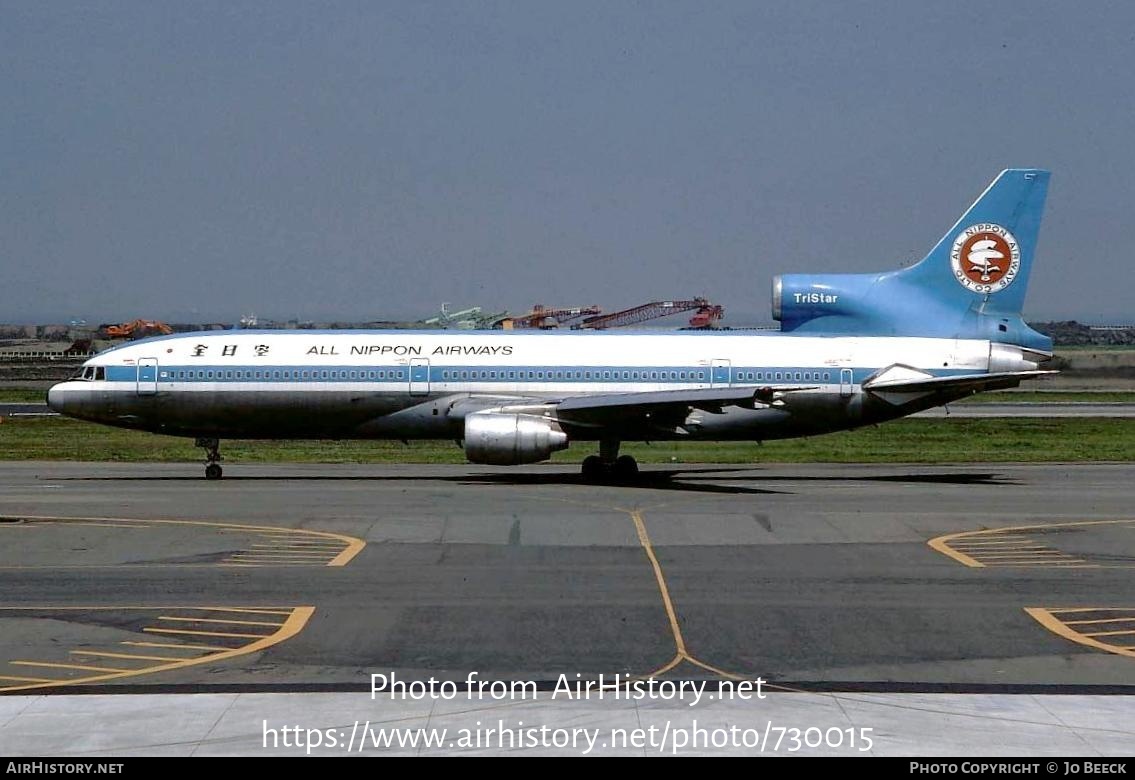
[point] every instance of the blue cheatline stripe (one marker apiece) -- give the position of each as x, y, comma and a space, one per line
737, 375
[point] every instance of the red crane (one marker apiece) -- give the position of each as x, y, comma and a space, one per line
542, 317
706, 314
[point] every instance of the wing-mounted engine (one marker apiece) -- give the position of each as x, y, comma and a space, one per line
503, 439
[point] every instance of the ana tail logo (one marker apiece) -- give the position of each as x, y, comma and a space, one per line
985, 258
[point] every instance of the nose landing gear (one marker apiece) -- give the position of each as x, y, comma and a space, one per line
212, 449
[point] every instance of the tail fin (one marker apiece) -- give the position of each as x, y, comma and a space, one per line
987, 255
972, 284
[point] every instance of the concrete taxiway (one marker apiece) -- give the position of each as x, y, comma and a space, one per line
880, 580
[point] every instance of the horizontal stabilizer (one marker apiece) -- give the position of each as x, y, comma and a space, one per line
928, 383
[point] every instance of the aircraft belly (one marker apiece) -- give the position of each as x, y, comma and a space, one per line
243, 414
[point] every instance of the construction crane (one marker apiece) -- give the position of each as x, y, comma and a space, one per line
543, 317
134, 329
706, 314
464, 319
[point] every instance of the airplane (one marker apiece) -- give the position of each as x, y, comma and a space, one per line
853, 350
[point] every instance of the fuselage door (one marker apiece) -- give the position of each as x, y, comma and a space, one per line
845, 382
419, 376
720, 373
147, 378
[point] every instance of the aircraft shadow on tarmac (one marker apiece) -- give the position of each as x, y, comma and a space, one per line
692, 480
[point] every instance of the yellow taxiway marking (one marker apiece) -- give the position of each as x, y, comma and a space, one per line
128, 656
96, 525
253, 611
349, 546
283, 553
190, 632
83, 667
1062, 610
1008, 542
681, 652
297, 618
1049, 618
23, 679
172, 645
972, 548
1092, 622
1110, 633
221, 620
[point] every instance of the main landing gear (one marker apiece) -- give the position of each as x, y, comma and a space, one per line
212, 449
608, 464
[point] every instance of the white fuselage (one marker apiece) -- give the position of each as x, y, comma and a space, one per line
405, 384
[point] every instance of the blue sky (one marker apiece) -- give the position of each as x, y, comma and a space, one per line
369, 160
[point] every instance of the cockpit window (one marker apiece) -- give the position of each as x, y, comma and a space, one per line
90, 374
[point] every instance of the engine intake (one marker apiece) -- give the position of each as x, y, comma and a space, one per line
502, 439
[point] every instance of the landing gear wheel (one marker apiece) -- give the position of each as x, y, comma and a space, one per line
212, 449
594, 468
625, 467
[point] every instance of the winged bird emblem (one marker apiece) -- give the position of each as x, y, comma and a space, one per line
981, 257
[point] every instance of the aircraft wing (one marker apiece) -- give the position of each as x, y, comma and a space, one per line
664, 409
707, 399
661, 409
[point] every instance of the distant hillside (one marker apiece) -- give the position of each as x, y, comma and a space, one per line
1071, 333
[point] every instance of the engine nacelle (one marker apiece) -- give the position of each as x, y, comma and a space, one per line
503, 439
800, 298
889, 304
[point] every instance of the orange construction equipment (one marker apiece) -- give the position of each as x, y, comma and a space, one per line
135, 329
542, 317
707, 314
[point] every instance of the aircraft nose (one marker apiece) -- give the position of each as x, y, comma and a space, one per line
55, 398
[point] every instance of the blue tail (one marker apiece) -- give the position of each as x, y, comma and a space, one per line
972, 284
